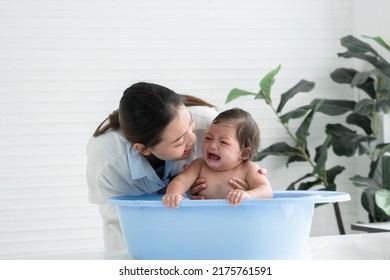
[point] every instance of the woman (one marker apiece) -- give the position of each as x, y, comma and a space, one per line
141, 146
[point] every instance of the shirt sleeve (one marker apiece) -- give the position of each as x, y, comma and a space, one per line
203, 116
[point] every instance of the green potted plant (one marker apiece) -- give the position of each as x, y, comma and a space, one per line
298, 150
343, 140
374, 84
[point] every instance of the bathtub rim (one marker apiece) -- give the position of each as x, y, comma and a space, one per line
279, 197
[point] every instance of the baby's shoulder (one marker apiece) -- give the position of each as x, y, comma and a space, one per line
197, 163
250, 166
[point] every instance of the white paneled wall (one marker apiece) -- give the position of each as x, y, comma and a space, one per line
65, 64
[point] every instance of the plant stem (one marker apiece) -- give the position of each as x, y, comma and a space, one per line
292, 136
302, 150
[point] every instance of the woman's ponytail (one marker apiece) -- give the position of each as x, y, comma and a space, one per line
111, 122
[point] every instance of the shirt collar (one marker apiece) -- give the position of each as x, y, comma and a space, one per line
139, 167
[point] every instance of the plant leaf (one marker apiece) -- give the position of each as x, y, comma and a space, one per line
334, 107
383, 88
346, 142
346, 76
376, 156
308, 175
236, 93
307, 185
332, 173
365, 182
321, 156
365, 107
368, 203
267, 82
361, 50
382, 67
382, 106
361, 121
386, 172
277, 149
379, 40
343, 75
356, 46
361, 77
298, 158
382, 199
368, 87
295, 114
303, 130
301, 86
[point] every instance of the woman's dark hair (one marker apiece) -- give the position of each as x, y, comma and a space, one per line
248, 133
145, 110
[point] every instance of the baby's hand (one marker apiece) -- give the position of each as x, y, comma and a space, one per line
172, 200
236, 196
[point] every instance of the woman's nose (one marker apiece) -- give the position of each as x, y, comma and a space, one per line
190, 137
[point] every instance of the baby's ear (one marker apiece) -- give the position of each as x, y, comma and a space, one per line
246, 153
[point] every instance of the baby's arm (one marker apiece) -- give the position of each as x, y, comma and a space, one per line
181, 183
259, 186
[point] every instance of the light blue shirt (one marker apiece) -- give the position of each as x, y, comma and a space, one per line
115, 168
142, 174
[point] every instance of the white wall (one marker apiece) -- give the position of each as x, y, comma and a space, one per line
64, 65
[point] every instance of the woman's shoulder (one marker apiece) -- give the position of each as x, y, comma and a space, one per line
110, 143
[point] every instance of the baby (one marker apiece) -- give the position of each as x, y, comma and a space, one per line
232, 139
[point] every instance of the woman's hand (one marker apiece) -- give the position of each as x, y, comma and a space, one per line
238, 183
196, 188
200, 185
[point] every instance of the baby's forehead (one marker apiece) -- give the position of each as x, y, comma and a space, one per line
226, 123
223, 126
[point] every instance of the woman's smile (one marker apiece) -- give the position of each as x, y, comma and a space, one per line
188, 150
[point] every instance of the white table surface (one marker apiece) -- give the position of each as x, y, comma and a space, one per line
362, 246
372, 227
366, 246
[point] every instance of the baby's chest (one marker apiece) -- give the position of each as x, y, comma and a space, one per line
218, 185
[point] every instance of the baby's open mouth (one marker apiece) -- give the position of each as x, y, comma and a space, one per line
213, 156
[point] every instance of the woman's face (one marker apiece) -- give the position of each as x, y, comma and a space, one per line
178, 138
221, 150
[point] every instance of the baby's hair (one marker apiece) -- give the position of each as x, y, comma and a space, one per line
248, 133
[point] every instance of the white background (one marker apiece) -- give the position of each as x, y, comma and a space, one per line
64, 64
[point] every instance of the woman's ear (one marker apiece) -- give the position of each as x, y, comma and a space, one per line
246, 153
140, 148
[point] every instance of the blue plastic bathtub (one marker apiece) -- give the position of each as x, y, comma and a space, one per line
276, 228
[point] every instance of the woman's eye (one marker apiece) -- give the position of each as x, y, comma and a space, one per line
180, 144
